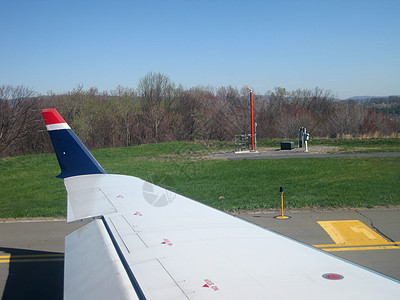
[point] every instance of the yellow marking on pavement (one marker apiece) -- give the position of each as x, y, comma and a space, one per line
397, 244
32, 255
331, 229
31, 258
360, 248
351, 232
4, 261
366, 231
351, 235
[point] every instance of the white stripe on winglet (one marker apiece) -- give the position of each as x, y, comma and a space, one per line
57, 126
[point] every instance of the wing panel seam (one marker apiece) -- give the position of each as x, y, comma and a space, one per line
136, 232
127, 249
125, 264
105, 196
183, 292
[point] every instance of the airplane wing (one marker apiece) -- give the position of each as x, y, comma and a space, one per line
146, 242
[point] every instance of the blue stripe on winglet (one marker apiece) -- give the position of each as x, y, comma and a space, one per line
74, 158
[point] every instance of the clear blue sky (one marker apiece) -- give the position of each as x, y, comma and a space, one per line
349, 47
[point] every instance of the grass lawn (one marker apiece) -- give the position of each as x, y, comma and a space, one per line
28, 187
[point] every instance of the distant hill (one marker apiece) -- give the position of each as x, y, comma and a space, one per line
375, 99
387, 105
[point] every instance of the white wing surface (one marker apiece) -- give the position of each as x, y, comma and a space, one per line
182, 249
149, 243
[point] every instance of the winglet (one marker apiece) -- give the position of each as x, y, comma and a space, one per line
74, 158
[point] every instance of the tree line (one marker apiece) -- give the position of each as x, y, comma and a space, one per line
158, 110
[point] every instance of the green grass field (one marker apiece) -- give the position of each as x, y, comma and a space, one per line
28, 187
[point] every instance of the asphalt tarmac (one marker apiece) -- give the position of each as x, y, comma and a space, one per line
32, 259
369, 242
31, 253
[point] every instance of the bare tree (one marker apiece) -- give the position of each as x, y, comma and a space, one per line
157, 94
123, 109
18, 114
320, 104
159, 111
347, 119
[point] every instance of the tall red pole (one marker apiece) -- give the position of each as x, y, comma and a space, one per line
252, 121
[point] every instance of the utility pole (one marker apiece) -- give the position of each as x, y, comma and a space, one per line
252, 120
252, 117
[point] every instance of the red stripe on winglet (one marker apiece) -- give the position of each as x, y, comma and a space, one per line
51, 116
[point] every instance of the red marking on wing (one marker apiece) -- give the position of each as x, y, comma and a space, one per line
210, 284
332, 276
167, 242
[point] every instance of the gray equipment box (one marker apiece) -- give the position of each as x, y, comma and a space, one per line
287, 145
